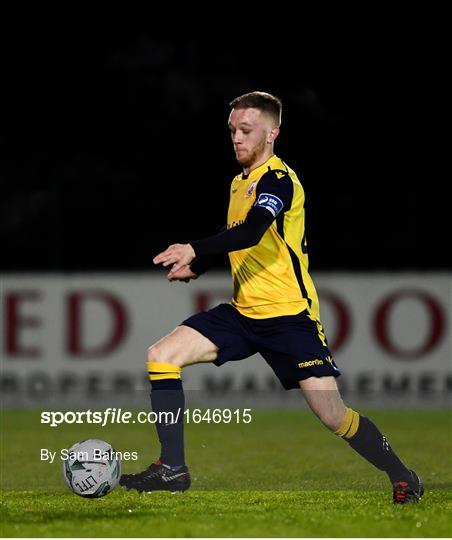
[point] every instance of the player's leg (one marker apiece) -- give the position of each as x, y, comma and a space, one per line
209, 336
297, 350
165, 360
182, 347
322, 395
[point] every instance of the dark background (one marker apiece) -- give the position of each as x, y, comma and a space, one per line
115, 147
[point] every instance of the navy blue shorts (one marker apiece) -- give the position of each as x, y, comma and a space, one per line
294, 346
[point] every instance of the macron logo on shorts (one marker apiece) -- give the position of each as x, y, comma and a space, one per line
270, 202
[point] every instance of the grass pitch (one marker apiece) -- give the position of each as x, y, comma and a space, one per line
281, 475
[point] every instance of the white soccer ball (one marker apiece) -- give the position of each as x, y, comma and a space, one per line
92, 468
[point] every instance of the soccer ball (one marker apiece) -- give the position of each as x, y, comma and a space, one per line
92, 468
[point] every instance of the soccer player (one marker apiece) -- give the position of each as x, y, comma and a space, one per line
274, 309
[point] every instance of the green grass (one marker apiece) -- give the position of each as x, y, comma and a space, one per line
282, 475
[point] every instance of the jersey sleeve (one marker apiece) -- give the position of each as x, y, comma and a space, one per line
242, 236
274, 192
201, 264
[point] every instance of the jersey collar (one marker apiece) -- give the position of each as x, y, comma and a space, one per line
259, 171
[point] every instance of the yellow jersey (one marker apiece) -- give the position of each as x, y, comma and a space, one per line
271, 279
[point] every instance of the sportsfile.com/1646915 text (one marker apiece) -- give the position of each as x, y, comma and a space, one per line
119, 416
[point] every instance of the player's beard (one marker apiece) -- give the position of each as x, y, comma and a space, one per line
249, 159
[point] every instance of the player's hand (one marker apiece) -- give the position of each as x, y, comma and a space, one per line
178, 255
183, 274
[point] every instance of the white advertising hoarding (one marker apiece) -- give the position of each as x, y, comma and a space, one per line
82, 337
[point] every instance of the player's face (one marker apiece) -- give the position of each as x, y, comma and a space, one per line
252, 135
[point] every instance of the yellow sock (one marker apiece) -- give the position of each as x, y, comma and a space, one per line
158, 371
350, 424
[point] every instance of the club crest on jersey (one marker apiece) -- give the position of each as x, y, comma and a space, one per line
250, 190
270, 202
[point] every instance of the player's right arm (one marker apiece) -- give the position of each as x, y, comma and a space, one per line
184, 273
203, 263
273, 195
196, 268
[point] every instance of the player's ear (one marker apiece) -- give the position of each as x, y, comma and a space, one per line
273, 134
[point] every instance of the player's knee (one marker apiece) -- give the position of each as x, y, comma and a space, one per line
159, 353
